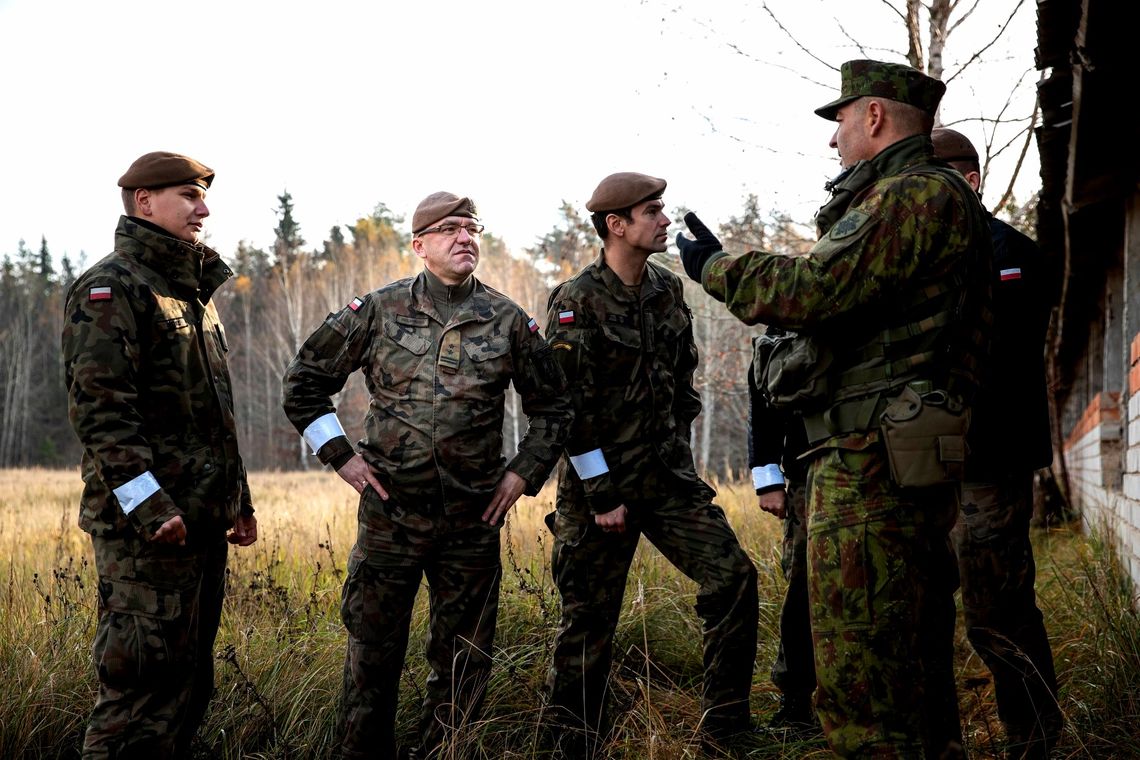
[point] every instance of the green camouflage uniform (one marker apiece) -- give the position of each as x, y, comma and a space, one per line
629, 357
881, 569
434, 437
150, 400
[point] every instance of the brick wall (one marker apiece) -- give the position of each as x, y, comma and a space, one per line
1106, 485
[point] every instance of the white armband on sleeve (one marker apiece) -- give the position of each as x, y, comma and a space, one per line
136, 491
767, 476
322, 430
590, 465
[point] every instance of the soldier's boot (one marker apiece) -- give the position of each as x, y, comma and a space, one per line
796, 717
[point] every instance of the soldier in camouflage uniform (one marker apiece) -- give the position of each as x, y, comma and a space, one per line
623, 335
1009, 439
151, 402
438, 352
895, 292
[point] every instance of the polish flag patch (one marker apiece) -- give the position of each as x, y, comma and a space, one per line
566, 317
532, 325
355, 304
1011, 274
99, 294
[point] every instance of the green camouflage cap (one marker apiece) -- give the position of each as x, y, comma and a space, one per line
893, 81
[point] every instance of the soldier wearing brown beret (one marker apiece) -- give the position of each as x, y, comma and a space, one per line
439, 350
151, 402
623, 335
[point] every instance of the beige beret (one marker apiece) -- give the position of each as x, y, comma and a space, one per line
952, 145
162, 169
439, 206
623, 190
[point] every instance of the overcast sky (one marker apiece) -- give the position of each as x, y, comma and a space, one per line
521, 105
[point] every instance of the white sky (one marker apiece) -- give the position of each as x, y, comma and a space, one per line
520, 105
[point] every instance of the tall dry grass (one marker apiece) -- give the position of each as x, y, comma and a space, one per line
279, 653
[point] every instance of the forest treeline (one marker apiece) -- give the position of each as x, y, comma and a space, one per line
279, 296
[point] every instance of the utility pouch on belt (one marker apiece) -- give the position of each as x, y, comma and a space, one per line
925, 437
790, 370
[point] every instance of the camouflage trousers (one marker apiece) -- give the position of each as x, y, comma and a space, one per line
881, 582
397, 545
159, 610
590, 568
793, 672
1003, 623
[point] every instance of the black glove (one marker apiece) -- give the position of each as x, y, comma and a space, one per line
696, 253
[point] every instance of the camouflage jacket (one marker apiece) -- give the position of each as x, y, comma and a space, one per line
900, 226
149, 391
434, 428
629, 358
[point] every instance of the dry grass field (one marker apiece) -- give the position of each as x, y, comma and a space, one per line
281, 646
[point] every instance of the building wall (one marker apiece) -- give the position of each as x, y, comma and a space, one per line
1105, 485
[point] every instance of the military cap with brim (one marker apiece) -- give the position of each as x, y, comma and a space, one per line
163, 169
952, 145
893, 81
623, 190
440, 206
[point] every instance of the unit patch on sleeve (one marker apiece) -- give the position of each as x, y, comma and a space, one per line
99, 294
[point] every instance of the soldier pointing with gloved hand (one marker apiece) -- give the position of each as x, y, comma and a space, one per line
894, 295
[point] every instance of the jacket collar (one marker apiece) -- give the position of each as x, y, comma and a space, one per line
477, 306
652, 282
192, 268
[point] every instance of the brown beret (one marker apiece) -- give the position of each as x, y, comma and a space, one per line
623, 190
438, 206
162, 169
893, 81
952, 145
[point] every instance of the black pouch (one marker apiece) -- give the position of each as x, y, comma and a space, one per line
925, 437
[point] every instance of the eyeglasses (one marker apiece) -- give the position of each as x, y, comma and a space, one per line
451, 230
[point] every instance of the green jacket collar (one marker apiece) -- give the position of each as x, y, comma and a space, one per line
197, 269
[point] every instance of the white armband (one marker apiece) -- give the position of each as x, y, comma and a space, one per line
590, 465
322, 430
767, 476
136, 491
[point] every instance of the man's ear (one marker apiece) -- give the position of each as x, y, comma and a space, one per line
876, 117
418, 247
974, 179
616, 224
142, 201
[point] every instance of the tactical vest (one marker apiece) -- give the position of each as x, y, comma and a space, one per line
935, 339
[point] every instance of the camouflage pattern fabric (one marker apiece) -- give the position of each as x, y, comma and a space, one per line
435, 418
893, 81
881, 578
1003, 622
150, 397
159, 608
892, 231
144, 358
793, 671
590, 568
396, 546
629, 357
434, 436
